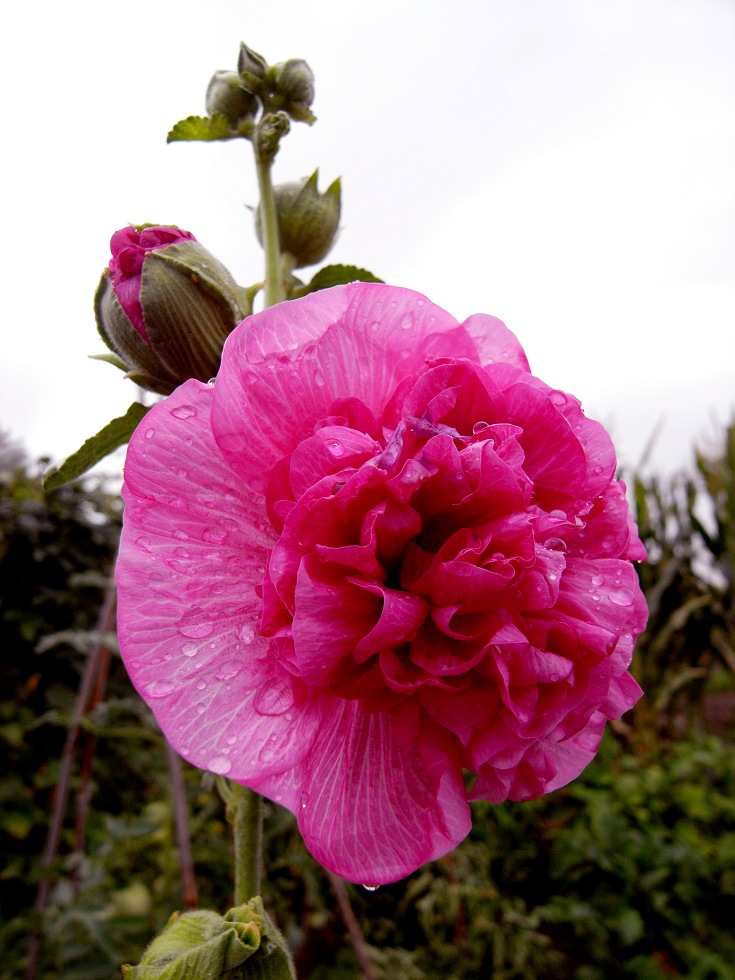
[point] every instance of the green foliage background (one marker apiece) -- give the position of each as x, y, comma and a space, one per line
628, 872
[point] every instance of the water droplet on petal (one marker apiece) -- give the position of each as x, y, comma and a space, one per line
149, 433
228, 670
556, 544
246, 633
215, 534
220, 765
558, 398
273, 699
195, 625
621, 597
159, 689
406, 321
184, 412
597, 580
189, 649
319, 379
201, 685
201, 708
335, 447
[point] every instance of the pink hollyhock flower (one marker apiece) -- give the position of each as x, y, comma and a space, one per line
377, 552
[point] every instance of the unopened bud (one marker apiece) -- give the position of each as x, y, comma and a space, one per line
242, 942
165, 306
294, 82
307, 220
268, 134
227, 94
252, 67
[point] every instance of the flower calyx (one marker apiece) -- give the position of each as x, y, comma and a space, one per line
307, 219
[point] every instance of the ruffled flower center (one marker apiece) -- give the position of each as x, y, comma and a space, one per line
410, 552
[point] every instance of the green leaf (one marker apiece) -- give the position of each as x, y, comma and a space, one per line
336, 275
114, 434
214, 127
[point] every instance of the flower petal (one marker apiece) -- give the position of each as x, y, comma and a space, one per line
380, 797
192, 552
283, 368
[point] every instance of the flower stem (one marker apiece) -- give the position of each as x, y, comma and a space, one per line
247, 825
246, 805
269, 227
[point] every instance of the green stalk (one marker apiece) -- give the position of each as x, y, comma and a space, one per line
274, 292
247, 825
247, 805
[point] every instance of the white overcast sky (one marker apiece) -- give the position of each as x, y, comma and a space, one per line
566, 165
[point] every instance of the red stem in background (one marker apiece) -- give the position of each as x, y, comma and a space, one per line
358, 940
84, 793
88, 685
181, 822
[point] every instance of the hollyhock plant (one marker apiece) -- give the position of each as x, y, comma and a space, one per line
165, 306
376, 554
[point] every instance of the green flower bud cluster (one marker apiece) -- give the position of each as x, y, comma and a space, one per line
285, 89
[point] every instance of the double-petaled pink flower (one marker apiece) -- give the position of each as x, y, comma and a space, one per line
378, 552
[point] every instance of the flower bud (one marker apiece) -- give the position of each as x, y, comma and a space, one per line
294, 82
307, 220
227, 94
252, 67
243, 941
165, 306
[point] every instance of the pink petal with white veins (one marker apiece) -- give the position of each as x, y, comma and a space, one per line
192, 552
376, 804
282, 369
